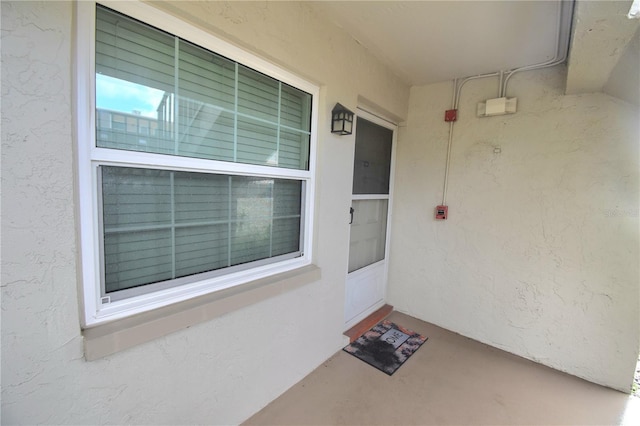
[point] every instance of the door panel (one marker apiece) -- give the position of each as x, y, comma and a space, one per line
372, 159
364, 292
368, 233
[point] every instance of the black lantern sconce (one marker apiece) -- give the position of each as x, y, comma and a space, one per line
341, 120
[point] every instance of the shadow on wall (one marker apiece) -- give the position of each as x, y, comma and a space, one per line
635, 387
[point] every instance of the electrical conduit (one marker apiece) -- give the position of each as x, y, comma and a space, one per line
502, 87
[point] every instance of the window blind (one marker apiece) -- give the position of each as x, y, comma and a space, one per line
160, 225
211, 107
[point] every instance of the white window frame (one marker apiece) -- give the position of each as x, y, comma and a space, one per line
89, 157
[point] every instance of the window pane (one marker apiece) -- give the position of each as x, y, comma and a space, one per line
130, 51
207, 97
252, 206
257, 142
260, 206
372, 161
201, 248
286, 236
135, 80
202, 228
206, 77
205, 132
161, 225
294, 150
135, 197
200, 197
160, 94
136, 258
287, 198
136, 218
295, 108
368, 233
257, 95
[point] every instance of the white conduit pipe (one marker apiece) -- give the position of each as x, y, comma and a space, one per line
560, 56
475, 77
502, 89
446, 169
454, 102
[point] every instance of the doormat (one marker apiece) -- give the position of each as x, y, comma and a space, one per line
386, 346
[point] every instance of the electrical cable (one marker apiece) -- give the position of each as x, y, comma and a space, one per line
559, 57
475, 77
502, 87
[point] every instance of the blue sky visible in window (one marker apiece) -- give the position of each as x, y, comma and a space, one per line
124, 96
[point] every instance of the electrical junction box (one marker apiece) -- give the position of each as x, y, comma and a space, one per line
498, 106
442, 212
451, 115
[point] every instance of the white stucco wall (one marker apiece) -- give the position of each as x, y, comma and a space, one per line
216, 372
540, 253
624, 80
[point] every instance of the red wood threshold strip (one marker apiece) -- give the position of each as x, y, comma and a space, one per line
358, 330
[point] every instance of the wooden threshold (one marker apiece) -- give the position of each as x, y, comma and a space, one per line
358, 330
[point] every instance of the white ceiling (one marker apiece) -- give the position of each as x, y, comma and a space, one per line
430, 41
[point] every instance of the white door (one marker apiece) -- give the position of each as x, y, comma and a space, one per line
368, 244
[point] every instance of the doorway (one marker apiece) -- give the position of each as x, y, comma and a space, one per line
369, 213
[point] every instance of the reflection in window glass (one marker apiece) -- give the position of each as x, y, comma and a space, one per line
199, 104
372, 161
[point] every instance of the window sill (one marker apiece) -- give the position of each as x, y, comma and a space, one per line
118, 335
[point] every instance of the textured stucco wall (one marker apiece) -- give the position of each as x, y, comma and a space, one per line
217, 372
540, 253
624, 80
601, 32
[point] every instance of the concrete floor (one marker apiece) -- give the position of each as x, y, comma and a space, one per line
449, 380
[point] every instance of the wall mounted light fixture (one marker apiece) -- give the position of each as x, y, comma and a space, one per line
341, 120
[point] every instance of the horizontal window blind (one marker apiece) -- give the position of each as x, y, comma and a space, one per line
131, 51
162, 228
160, 225
202, 105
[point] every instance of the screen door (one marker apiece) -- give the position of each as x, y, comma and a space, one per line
366, 280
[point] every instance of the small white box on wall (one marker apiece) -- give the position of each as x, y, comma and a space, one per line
498, 106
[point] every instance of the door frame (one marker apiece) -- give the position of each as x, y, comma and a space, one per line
389, 124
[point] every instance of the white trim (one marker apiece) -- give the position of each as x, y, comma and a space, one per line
389, 124
105, 156
85, 122
386, 123
133, 305
356, 197
89, 157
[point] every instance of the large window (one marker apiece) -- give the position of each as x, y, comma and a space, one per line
196, 169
